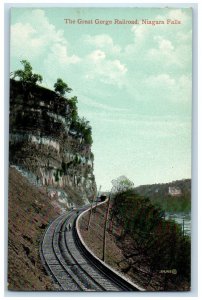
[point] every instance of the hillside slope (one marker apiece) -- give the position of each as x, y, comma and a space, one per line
149, 250
30, 211
159, 195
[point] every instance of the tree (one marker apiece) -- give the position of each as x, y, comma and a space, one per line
149, 240
61, 87
73, 107
121, 184
26, 76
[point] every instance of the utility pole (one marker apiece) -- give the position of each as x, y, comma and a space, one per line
97, 197
90, 216
105, 228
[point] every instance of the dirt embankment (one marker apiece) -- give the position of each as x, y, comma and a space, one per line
29, 212
93, 237
118, 248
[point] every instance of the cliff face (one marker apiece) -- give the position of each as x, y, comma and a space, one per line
47, 148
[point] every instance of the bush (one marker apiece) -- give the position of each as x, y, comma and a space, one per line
61, 87
26, 76
162, 241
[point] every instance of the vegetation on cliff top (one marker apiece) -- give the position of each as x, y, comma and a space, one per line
29, 81
26, 76
61, 87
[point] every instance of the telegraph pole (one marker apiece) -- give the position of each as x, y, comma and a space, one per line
105, 228
97, 197
90, 216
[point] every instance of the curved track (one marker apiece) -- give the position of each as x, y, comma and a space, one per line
69, 263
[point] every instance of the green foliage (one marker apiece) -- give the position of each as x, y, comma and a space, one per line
122, 183
26, 76
158, 194
61, 87
160, 240
82, 126
87, 135
77, 160
73, 107
64, 168
173, 204
56, 174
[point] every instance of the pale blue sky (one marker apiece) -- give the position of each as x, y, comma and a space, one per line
133, 84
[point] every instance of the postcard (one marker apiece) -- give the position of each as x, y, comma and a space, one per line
100, 149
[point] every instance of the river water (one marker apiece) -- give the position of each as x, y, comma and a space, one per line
178, 218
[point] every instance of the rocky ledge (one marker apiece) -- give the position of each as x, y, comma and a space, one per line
48, 147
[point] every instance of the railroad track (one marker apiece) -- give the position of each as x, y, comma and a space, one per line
71, 265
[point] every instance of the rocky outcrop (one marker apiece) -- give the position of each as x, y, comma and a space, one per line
45, 145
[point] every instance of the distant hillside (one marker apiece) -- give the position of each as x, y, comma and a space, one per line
164, 196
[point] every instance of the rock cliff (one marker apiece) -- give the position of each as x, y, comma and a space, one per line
47, 147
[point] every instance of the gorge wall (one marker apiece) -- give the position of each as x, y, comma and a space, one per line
47, 147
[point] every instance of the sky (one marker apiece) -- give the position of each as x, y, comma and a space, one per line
133, 83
